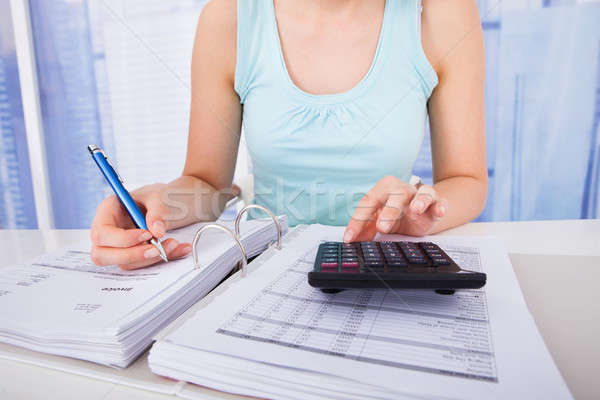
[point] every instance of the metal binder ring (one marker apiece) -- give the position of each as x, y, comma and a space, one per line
249, 206
222, 228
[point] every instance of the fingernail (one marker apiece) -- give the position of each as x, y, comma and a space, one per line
385, 226
348, 236
442, 211
159, 228
171, 246
145, 237
151, 253
418, 206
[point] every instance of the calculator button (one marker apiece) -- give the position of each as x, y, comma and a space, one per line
329, 265
349, 264
412, 257
370, 250
394, 258
391, 260
371, 255
346, 259
373, 264
399, 263
441, 261
417, 261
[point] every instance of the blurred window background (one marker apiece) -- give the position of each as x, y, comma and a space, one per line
117, 73
17, 208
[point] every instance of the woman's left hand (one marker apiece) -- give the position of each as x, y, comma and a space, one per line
394, 206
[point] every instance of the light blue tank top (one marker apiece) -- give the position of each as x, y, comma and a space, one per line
315, 156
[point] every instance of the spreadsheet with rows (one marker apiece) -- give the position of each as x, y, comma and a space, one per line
413, 329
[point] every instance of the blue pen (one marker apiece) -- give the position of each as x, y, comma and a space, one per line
116, 183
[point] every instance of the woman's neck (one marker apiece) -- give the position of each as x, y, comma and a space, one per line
323, 9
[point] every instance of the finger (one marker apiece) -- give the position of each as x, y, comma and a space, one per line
363, 215
156, 213
439, 209
179, 251
112, 236
368, 206
143, 253
111, 212
393, 210
423, 199
369, 231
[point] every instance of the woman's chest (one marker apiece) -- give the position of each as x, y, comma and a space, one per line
357, 137
328, 56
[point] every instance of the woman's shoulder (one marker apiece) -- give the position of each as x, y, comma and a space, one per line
220, 15
449, 28
216, 35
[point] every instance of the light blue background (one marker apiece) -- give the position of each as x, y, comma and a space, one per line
542, 111
17, 208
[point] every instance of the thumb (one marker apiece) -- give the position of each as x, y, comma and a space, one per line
156, 213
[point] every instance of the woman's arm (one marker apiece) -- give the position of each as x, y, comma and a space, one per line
453, 42
215, 121
202, 190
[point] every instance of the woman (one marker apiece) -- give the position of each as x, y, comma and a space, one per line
334, 96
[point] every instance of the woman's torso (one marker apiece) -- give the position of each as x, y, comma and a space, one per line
315, 156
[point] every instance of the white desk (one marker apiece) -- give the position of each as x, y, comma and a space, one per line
557, 264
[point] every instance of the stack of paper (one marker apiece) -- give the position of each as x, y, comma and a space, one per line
63, 304
270, 335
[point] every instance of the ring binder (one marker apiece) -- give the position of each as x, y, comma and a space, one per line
249, 206
222, 228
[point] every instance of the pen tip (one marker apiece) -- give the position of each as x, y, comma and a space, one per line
160, 248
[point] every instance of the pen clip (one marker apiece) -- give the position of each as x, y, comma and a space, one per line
113, 167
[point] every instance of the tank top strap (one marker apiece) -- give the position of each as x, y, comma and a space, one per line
407, 41
256, 43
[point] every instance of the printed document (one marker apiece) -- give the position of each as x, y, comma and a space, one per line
61, 303
272, 335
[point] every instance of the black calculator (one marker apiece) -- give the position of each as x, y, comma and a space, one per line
403, 265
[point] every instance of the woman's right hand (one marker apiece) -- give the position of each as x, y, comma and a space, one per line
116, 240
